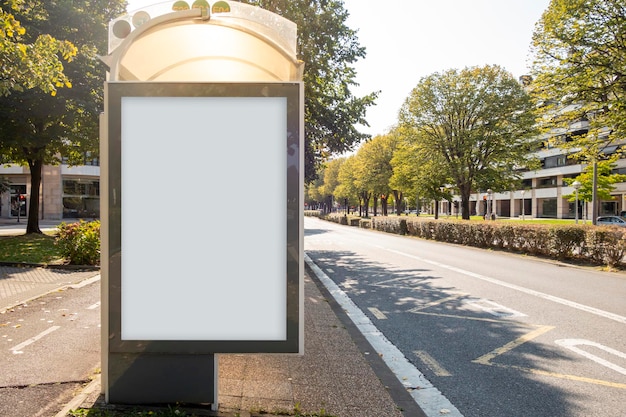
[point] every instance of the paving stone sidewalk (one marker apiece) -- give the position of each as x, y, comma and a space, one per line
20, 284
335, 377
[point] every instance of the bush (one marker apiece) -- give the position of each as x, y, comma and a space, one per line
80, 242
605, 245
598, 245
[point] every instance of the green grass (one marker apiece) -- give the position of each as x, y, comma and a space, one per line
516, 220
31, 248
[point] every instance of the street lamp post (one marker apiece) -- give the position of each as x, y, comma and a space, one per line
523, 206
489, 202
576, 185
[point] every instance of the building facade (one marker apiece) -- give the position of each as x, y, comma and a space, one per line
66, 192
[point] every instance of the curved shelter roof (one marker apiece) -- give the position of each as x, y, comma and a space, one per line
230, 42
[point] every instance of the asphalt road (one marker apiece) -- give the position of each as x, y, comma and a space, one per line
49, 346
496, 334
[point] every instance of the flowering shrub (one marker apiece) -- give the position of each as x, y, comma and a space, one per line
80, 242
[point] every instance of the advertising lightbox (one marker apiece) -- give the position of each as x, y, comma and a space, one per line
204, 217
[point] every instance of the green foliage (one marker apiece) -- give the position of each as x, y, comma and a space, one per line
80, 242
578, 70
328, 48
36, 128
606, 179
605, 245
34, 64
596, 245
473, 127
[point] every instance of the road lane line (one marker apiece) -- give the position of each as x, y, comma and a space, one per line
456, 316
576, 378
494, 308
17, 349
431, 363
377, 313
437, 302
486, 359
428, 397
572, 343
563, 301
86, 282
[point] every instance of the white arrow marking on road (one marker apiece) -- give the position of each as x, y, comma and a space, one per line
17, 349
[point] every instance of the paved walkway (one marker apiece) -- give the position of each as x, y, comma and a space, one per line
19, 285
339, 375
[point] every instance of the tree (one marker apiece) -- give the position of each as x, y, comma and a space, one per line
415, 168
38, 128
328, 48
347, 182
579, 49
331, 180
38, 64
605, 180
374, 168
477, 126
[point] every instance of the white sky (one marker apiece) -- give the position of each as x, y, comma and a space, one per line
406, 40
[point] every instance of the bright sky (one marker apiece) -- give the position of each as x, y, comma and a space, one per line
410, 39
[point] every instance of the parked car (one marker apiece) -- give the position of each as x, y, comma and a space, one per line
611, 221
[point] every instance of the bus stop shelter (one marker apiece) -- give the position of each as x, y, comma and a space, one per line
217, 90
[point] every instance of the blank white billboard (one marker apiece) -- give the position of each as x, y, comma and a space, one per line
203, 202
212, 265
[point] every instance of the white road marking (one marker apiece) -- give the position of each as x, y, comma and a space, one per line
17, 349
426, 395
563, 301
572, 344
494, 308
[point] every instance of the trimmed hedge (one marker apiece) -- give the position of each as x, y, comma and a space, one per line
595, 244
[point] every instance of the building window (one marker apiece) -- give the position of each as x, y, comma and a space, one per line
87, 159
549, 207
547, 182
81, 198
555, 161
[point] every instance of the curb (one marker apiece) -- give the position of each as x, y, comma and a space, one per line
78, 400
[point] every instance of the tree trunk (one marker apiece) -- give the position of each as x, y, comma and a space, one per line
366, 202
465, 202
594, 193
397, 196
33, 206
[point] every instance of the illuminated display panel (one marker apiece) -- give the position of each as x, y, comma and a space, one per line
204, 208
